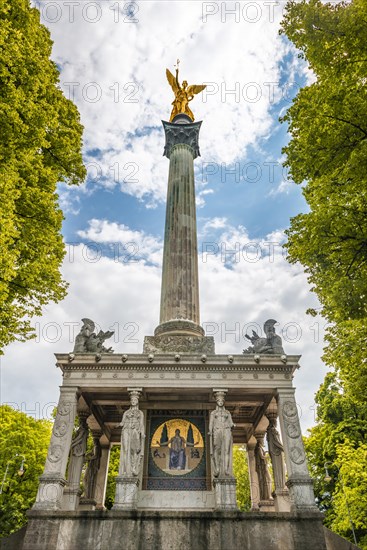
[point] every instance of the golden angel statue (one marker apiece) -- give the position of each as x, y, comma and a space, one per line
183, 94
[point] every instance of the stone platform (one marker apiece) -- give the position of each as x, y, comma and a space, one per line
123, 530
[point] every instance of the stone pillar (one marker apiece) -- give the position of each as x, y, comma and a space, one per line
254, 480
132, 453
73, 491
101, 484
266, 503
179, 312
88, 500
276, 451
299, 482
52, 481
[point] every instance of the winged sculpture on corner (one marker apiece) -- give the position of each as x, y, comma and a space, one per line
183, 94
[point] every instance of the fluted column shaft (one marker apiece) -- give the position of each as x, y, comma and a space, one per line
180, 284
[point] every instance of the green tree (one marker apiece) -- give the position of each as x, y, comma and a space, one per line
240, 469
113, 470
40, 145
351, 492
327, 153
328, 150
341, 424
21, 438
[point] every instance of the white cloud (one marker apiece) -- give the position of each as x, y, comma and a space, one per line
130, 245
285, 187
116, 71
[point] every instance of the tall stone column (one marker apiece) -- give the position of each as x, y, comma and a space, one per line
299, 482
101, 485
266, 503
78, 449
254, 480
52, 481
179, 312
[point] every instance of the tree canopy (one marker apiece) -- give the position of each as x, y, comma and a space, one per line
40, 145
22, 439
327, 153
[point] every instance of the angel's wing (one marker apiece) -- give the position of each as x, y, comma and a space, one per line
172, 81
195, 89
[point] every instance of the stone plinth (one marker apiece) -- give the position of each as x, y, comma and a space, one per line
282, 500
225, 493
200, 530
126, 493
266, 505
71, 498
176, 500
87, 504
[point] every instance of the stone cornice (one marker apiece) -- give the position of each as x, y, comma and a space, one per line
176, 362
181, 369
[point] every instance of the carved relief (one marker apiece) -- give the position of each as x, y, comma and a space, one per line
297, 455
293, 430
179, 344
60, 428
290, 409
63, 409
55, 453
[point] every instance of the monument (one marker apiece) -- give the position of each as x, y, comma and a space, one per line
175, 410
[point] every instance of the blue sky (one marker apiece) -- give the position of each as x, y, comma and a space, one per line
112, 58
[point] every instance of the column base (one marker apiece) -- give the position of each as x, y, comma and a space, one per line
282, 501
126, 493
179, 343
70, 500
50, 492
180, 327
225, 493
87, 504
301, 493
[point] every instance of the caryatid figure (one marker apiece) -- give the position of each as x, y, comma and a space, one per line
262, 468
221, 441
276, 452
132, 438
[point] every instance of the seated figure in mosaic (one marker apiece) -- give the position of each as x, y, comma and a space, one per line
177, 452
